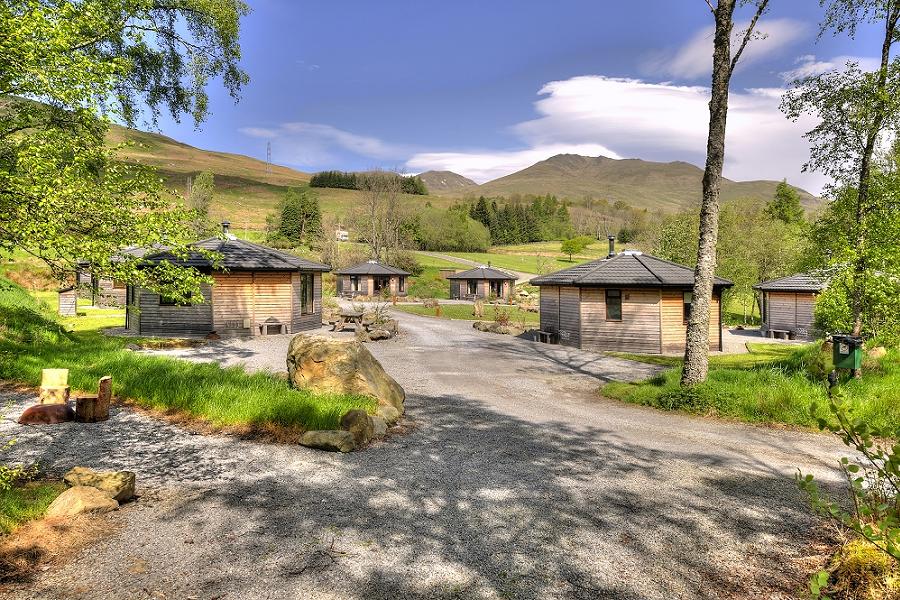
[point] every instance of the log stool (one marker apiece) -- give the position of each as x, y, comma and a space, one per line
91, 409
54, 386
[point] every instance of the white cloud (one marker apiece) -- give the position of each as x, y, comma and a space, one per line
694, 58
808, 65
656, 121
484, 165
319, 145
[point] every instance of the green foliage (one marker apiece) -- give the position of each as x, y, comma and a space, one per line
300, 218
771, 384
407, 261
202, 189
26, 502
544, 218
576, 245
63, 195
452, 230
409, 184
428, 284
785, 205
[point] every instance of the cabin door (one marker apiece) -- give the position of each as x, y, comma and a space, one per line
496, 289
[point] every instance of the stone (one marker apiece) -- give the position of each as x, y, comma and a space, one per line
132, 347
327, 365
388, 414
329, 439
118, 485
362, 336
878, 352
212, 335
81, 499
47, 414
392, 326
358, 423
379, 427
379, 334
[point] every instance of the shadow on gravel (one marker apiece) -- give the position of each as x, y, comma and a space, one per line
480, 505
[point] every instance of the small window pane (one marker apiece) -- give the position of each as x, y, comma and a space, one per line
613, 305
401, 284
686, 306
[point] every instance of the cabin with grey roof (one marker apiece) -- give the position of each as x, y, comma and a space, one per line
626, 302
371, 278
787, 306
485, 282
256, 290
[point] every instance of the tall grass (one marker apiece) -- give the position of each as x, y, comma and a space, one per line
772, 384
31, 339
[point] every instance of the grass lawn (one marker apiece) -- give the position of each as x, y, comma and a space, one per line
526, 263
26, 502
464, 312
772, 384
31, 338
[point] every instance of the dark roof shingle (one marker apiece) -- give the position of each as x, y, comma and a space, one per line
372, 267
626, 269
800, 282
239, 255
483, 272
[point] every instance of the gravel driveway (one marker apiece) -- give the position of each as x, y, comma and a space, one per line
514, 480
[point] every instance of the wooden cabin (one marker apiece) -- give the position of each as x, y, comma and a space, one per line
100, 291
371, 278
483, 282
68, 301
626, 302
787, 305
256, 291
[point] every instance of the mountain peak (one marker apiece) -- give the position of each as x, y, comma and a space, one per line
445, 181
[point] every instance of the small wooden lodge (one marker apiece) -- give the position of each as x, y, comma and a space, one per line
626, 302
481, 282
787, 305
371, 278
101, 291
256, 291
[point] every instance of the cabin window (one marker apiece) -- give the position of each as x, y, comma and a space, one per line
401, 284
169, 301
497, 289
307, 302
472, 286
354, 283
687, 298
613, 305
381, 284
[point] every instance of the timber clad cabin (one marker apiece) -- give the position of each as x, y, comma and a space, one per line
371, 278
787, 305
256, 291
481, 282
626, 302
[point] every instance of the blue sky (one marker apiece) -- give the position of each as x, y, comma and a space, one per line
486, 88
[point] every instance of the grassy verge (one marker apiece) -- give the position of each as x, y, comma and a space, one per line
464, 312
26, 502
772, 384
32, 339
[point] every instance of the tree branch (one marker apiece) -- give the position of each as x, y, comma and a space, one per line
760, 9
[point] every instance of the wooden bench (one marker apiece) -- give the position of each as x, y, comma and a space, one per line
778, 334
264, 327
348, 317
546, 337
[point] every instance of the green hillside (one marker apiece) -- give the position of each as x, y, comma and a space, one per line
667, 187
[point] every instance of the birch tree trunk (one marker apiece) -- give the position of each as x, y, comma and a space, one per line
696, 351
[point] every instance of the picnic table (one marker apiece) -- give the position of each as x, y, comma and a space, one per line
348, 316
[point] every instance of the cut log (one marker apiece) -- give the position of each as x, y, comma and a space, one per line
92, 409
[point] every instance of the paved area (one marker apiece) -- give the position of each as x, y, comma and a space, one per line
513, 479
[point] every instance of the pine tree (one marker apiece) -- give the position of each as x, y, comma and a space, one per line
785, 205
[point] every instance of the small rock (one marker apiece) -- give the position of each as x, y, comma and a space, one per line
329, 439
212, 335
390, 414
47, 414
379, 427
392, 326
379, 334
132, 347
81, 499
358, 423
362, 336
118, 485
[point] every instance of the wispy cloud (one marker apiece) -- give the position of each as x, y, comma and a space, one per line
694, 59
808, 65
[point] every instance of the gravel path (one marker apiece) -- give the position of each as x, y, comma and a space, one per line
514, 480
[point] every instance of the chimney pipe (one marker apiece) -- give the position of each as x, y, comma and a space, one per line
225, 226
612, 245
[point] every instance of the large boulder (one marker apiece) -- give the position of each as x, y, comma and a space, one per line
81, 499
118, 485
328, 365
329, 439
47, 414
359, 424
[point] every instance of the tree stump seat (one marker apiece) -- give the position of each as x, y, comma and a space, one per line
93, 409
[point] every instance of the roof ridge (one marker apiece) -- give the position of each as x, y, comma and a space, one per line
637, 257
